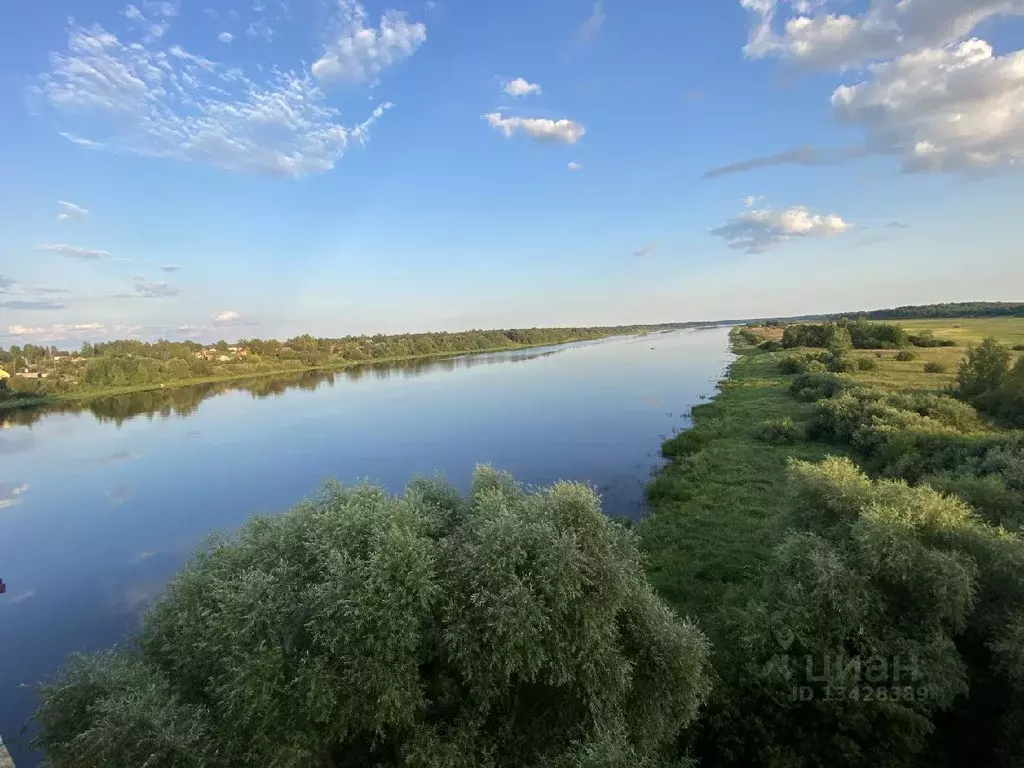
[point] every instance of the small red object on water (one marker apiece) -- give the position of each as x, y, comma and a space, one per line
3, 587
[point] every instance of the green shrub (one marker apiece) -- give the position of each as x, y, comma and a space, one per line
933, 367
513, 628
1018, 347
906, 355
980, 375
843, 365
867, 364
770, 346
781, 431
815, 385
927, 339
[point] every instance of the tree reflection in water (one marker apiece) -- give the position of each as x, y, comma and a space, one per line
184, 401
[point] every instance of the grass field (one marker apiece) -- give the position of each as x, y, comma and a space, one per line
716, 504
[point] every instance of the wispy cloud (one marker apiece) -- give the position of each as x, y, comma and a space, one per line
646, 250
798, 156
76, 252
589, 29
59, 331
227, 317
225, 37
168, 102
574, 166
33, 304
562, 131
149, 289
10, 494
171, 268
897, 225
70, 211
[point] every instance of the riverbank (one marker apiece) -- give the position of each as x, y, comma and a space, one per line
85, 396
852, 546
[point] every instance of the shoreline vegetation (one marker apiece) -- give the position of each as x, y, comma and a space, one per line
832, 574
850, 544
109, 361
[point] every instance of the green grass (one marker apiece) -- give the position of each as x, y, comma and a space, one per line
716, 504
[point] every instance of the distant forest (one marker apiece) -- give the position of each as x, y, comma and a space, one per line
960, 309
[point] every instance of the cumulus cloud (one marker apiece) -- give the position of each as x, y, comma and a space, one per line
950, 109
589, 29
226, 317
646, 250
574, 166
540, 129
930, 97
810, 36
75, 252
760, 230
225, 37
172, 103
798, 156
520, 87
170, 268
750, 200
359, 53
71, 211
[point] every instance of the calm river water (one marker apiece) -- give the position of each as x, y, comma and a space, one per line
99, 506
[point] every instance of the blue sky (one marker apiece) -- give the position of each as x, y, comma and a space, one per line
197, 168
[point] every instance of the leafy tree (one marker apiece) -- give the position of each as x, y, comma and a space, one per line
512, 628
981, 374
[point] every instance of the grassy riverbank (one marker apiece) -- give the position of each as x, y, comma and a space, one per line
85, 395
815, 525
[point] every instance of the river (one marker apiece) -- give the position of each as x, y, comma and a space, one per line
99, 505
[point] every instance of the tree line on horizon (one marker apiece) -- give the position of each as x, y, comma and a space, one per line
129, 363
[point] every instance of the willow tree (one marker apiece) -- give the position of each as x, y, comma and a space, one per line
510, 628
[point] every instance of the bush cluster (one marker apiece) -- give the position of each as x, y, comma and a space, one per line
512, 628
988, 380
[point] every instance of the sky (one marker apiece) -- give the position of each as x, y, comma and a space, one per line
212, 169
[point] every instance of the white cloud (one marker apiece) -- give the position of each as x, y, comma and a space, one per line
574, 166
520, 87
798, 156
760, 230
75, 252
748, 202
225, 37
360, 53
226, 317
537, 128
58, 331
152, 30
260, 28
814, 38
71, 211
33, 304
949, 109
153, 289
171, 268
589, 29
174, 104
